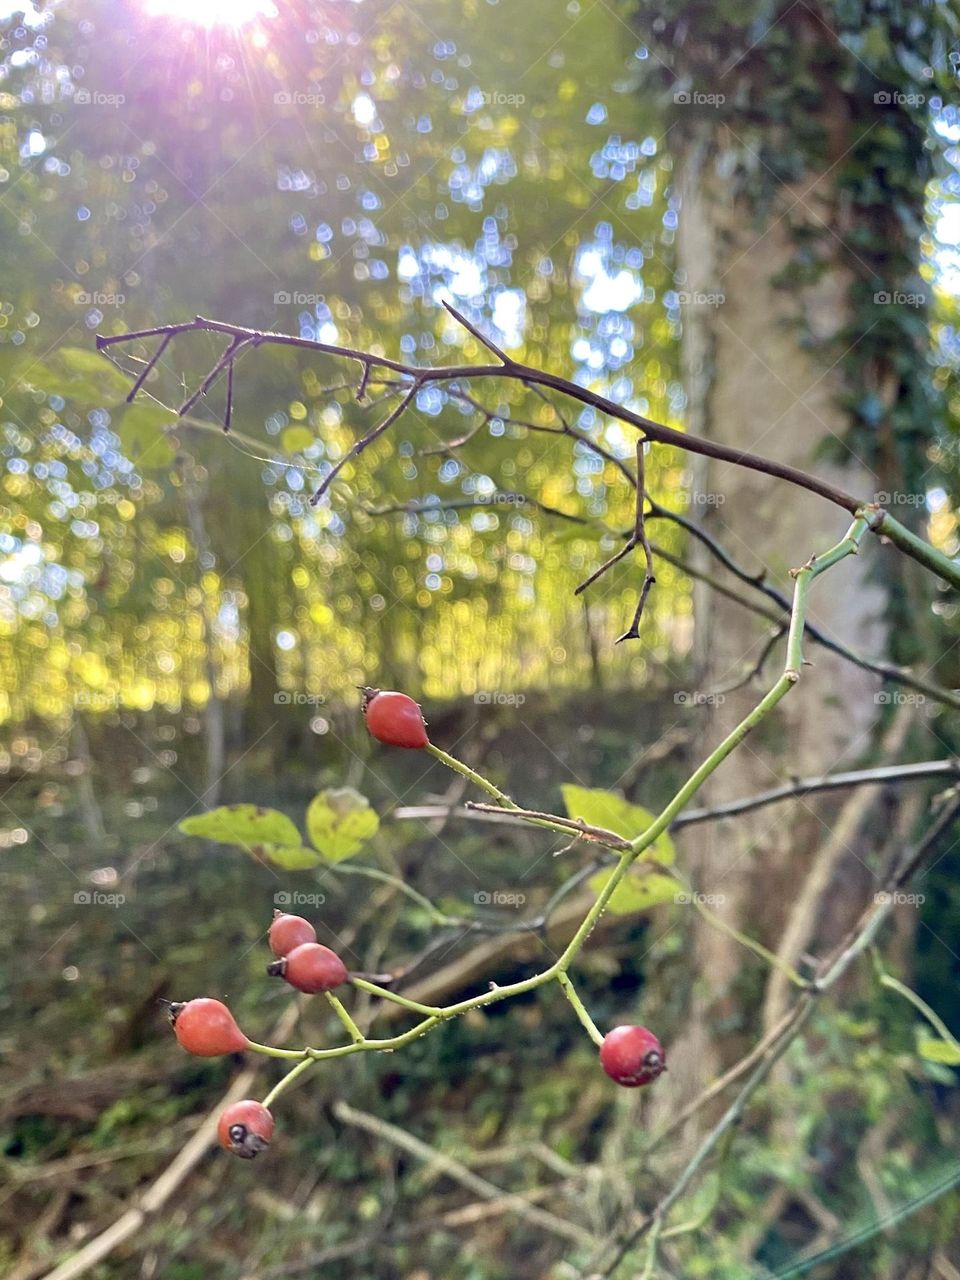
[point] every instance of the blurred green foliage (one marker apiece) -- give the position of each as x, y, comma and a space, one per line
341, 186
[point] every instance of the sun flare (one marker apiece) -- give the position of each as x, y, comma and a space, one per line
211, 13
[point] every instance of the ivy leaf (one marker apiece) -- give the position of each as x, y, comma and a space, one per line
339, 821
245, 825
599, 808
942, 1051
637, 891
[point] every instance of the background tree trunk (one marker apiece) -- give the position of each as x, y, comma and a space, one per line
751, 384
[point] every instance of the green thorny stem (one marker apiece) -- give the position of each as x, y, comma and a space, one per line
557, 972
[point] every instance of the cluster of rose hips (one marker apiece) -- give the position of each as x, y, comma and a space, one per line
207, 1028
630, 1055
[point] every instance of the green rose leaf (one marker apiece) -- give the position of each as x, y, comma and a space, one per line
636, 891
143, 435
941, 1051
290, 857
339, 821
89, 375
84, 360
599, 808
244, 825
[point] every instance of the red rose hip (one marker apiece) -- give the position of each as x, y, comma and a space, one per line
632, 1056
245, 1129
394, 718
288, 932
310, 968
206, 1028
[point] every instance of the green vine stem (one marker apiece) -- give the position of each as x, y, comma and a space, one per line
269, 1051
935, 1021
374, 873
803, 579
568, 989
917, 548
384, 993
476, 778
310, 1056
353, 1031
750, 943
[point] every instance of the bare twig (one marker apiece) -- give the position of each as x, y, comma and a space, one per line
225, 361
577, 826
723, 1083
228, 407
886, 670
883, 775
640, 536
880, 521
756, 668
416, 507
607, 564
480, 337
363, 443
149, 366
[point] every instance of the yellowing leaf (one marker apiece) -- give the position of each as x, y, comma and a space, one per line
339, 821
636, 891
290, 857
599, 808
941, 1051
244, 825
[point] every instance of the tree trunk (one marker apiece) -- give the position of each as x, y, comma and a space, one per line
752, 385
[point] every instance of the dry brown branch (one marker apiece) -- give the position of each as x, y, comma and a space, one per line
459, 1172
